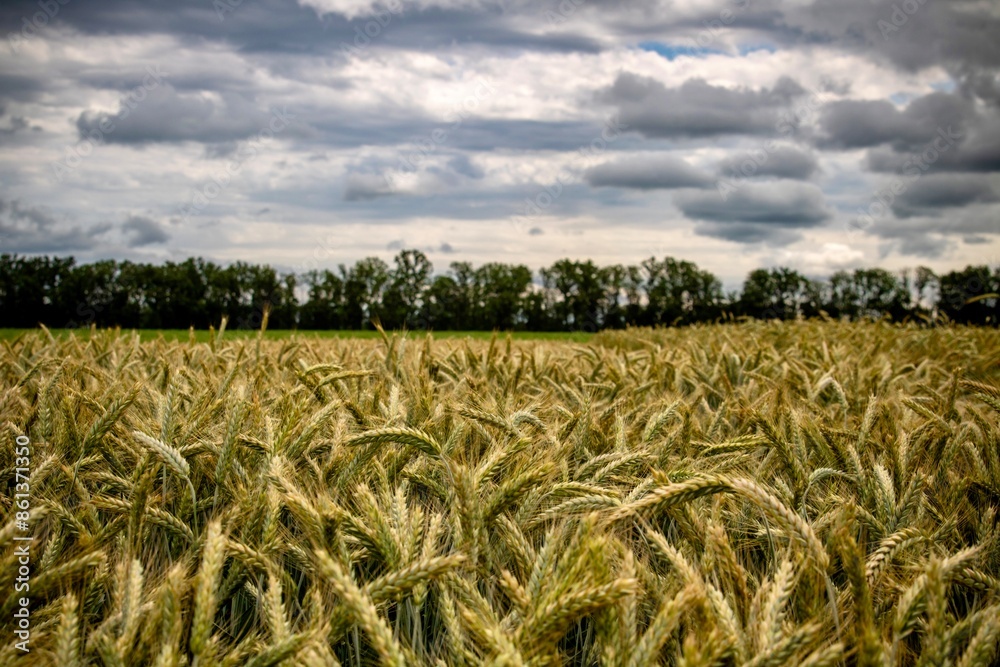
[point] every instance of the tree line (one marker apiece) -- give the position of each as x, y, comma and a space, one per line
569, 295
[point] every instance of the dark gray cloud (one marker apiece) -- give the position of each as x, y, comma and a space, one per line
32, 229
959, 34
365, 187
647, 173
373, 201
164, 115
926, 246
749, 233
757, 212
15, 125
38, 218
939, 132
404, 127
864, 123
974, 148
934, 192
20, 88
142, 231
461, 164
286, 27
457, 171
784, 204
782, 162
935, 236
975, 219
479, 134
697, 108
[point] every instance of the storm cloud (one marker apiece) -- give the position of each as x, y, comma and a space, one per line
33, 229
142, 231
936, 192
647, 173
781, 162
696, 108
769, 212
860, 124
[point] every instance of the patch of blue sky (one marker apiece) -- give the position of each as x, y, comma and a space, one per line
672, 51
745, 49
946, 86
901, 99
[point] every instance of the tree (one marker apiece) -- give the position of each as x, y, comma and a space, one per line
500, 289
616, 288
572, 294
181, 292
880, 294
840, 296
324, 307
778, 293
261, 288
632, 288
438, 311
582, 295
223, 293
28, 288
403, 300
678, 292
971, 295
364, 285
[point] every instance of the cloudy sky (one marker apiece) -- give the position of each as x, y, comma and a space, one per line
817, 134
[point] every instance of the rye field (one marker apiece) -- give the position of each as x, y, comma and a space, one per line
813, 493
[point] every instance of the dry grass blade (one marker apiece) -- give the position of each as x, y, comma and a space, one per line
67, 649
206, 600
667, 496
394, 584
167, 454
362, 610
405, 436
663, 624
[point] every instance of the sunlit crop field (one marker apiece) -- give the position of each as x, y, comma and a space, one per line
762, 494
204, 335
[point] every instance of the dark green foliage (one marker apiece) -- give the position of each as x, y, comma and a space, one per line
569, 295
